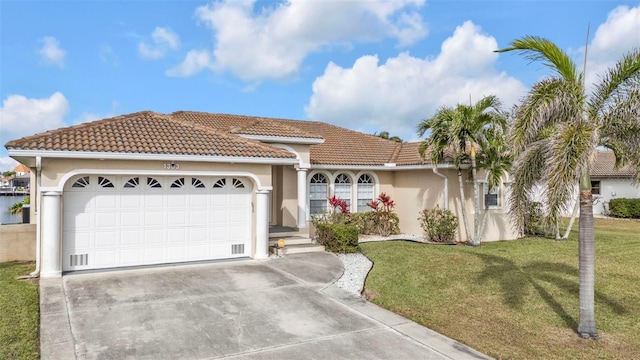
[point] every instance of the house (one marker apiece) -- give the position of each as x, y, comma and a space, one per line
609, 183
22, 177
149, 188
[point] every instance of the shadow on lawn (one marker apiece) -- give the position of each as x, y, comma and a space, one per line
516, 281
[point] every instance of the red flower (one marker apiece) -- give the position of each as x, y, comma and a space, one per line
373, 204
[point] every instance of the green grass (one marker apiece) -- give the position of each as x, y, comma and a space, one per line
19, 336
516, 299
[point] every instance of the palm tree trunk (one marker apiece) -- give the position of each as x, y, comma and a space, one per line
586, 254
476, 200
571, 221
463, 206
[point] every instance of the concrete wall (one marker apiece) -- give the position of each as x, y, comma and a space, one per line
17, 242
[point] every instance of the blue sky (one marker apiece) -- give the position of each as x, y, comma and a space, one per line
365, 65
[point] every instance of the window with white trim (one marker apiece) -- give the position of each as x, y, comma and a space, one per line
364, 192
342, 188
318, 194
492, 197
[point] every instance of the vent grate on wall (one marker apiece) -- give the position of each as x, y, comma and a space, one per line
78, 259
237, 249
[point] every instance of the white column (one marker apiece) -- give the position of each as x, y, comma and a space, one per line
302, 198
50, 233
262, 224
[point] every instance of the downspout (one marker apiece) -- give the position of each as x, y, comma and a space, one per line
446, 187
36, 272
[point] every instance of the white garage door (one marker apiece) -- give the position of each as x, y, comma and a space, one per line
114, 221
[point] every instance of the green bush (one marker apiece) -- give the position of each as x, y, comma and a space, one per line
625, 208
340, 238
363, 221
533, 220
440, 225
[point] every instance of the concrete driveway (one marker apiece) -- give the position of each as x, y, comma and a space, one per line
284, 308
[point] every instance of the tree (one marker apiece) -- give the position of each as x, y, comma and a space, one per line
17, 207
385, 135
462, 129
557, 129
8, 174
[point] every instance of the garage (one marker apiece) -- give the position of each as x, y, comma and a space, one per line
130, 220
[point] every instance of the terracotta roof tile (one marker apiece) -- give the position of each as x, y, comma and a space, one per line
21, 169
150, 133
604, 166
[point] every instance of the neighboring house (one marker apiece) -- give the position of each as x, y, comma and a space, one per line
149, 188
609, 183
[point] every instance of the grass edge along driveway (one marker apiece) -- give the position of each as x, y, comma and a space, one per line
19, 313
516, 299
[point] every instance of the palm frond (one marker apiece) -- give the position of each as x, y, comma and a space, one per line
617, 80
535, 48
526, 172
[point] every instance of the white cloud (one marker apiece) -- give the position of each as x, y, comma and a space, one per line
618, 35
164, 40
272, 42
51, 53
196, 61
396, 95
21, 116
7, 164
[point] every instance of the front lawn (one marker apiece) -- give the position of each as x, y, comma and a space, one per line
19, 336
516, 299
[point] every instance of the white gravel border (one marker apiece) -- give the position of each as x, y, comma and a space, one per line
356, 268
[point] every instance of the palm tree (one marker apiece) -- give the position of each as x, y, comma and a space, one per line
385, 135
556, 131
462, 129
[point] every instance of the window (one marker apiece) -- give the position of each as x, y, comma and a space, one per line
595, 187
365, 192
318, 194
342, 188
133, 182
197, 183
237, 183
178, 183
104, 182
491, 197
220, 183
82, 182
153, 183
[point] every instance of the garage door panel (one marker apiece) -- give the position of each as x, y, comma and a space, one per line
133, 223
104, 258
130, 238
105, 220
153, 218
130, 201
177, 218
130, 219
105, 239
153, 255
177, 235
106, 201
130, 257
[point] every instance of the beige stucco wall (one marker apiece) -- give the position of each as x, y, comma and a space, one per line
17, 242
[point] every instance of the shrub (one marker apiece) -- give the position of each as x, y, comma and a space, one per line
625, 208
440, 225
533, 220
338, 214
341, 238
385, 221
363, 221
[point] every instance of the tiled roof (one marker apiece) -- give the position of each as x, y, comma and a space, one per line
245, 125
21, 169
149, 133
604, 166
341, 146
410, 155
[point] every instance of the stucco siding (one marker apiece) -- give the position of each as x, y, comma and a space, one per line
613, 189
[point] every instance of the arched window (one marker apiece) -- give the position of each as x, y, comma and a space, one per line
364, 192
342, 188
318, 194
